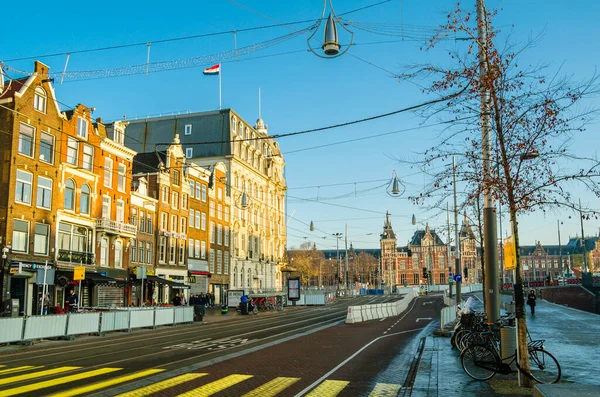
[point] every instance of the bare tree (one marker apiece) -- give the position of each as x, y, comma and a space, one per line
534, 118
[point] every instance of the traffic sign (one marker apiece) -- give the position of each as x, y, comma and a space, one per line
457, 278
450, 274
79, 273
510, 259
422, 287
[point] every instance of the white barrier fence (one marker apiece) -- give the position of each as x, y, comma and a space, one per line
357, 314
447, 316
20, 329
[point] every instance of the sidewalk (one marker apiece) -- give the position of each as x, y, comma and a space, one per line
571, 336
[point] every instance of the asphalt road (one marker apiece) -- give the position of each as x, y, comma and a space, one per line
296, 352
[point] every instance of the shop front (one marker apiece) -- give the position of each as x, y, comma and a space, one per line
165, 286
198, 276
25, 285
96, 290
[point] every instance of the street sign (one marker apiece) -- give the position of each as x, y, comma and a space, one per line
422, 287
457, 278
450, 274
79, 273
510, 259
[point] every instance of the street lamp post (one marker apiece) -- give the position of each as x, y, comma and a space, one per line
337, 252
585, 268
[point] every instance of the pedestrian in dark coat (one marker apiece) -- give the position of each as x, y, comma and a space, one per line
531, 301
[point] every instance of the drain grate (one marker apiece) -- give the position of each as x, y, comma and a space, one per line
407, 386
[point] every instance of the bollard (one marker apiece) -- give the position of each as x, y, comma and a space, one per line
224, 310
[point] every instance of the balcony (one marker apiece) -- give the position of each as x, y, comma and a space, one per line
85, 258
109, 226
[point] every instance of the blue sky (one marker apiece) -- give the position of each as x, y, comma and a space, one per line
300, 91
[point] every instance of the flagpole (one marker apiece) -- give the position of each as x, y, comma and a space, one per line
220, 71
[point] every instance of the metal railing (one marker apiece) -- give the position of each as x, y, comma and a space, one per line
86, 258
115, 226
21, 329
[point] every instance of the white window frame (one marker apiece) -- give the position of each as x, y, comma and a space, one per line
88, 158
16, 246
219, 234
104, 251
44, 192
106, 206
26, 135
203, 221
118, 257
122, 178
226, 236
52, 141
72, 151
192, 217
198, 220
120, 211
24, 187
212, 232
41, 242
204, 193
82, 128
40, 99
197, 251
108, 172
188, 129
203, 249
189, 152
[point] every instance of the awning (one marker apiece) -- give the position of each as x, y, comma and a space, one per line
164, 281
199, 273
98, 279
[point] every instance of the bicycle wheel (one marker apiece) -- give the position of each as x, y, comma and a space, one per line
473, 357
456, 337
543, 366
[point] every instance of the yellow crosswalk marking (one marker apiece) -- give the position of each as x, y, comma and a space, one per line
108, 383
57, 381
34, 375
329, 388
18, 369
165, 384
385, 390
272, 388
214, 387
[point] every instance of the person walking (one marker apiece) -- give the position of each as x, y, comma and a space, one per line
73, 301
531, 301
208, 298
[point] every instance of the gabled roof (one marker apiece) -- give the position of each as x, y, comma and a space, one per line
149, 162
419, 235
12, 87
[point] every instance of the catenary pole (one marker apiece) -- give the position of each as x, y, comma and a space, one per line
456, 237
491, 293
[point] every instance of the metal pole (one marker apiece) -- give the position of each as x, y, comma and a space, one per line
585, 269
448, 251
492, 298
456, 237
559, 250
346, 253
501, 243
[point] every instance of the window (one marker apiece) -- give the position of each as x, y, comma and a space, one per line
192, 215
191, 249
197, 250
149, 224
41, 239
108, 170
40, 99
162, 249
133, 217
104, 251
121, 177
219, 234
44, 193
175, 200
176, 178
188, 129
203, 223
189, 152
203, 250
69, 200
119, 136
72, 151
133, 253
204, 193
74, 238
171, 250
219, 262
226, 236
141, 252
174, 223
23, 188
220, 211
120, 211
234, 123
82, 127
20, 237
165, 194
225, 262
181, 252
212, 232
183, 225
198, 220
88, 158
226, 214
164, 223
220, 194
415, 278
118, 254
26, 134
198, 190
106, 207
148, 253
212, 209
184, 201
211, 261
47, 148
142, 227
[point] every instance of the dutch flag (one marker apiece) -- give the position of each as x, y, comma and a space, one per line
213, 70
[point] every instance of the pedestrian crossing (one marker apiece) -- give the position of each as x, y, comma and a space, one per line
39, 380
